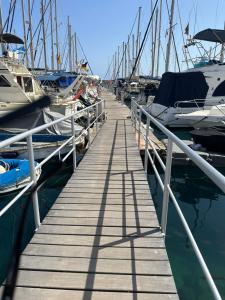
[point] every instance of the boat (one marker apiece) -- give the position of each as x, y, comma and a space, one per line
199, 88
15, 174
205, 118
213, 139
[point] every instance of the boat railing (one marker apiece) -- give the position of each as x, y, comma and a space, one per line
92, 122
199, 103
137, 112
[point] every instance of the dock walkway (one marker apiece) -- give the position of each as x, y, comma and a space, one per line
101, 239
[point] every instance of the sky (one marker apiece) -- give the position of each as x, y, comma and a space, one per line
103, 25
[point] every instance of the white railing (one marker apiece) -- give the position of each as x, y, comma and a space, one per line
71, 141
136, 115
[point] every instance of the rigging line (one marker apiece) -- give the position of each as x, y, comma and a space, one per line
39, 24
174, 44
143, 40
182, 33
28, 30
8, 17
84, 55
12, 19
108, 69
125, 48
9, 14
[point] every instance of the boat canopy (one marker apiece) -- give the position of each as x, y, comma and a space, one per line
181, 87
211, 35
61, 80
8, 38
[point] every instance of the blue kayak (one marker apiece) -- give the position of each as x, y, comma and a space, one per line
14, 174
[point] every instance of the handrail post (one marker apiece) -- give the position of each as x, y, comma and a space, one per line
34, 179
96, 120
166, 184
73, 132
88, 128
139, 128
146, 144
132, 112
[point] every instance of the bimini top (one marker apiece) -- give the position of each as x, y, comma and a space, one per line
181, 87
211, 35
8, 38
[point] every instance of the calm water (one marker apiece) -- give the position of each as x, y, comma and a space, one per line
203, 205
9, 222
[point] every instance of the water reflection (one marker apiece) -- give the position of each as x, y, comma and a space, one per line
203, 206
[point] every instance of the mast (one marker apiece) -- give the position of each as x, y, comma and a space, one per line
118, 61
75, 51
133, 51
154, 43
170, 36
69, 45
52, 38
1, 29
159, 38
56, 38
128, 57
122, 60
43, 34
222, 51
31, 36
138, 36
24, 33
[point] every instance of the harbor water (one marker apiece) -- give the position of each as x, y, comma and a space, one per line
203, 206
10, 220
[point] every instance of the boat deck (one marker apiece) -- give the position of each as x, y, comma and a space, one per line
101, 239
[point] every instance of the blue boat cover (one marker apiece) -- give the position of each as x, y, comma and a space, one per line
19, 171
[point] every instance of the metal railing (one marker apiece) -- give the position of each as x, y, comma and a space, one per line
99, 108
136, 116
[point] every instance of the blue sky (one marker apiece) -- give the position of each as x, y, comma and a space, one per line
102, 25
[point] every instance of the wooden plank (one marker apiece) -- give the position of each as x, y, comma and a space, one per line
97, 207
111, 222
100, 252
104, 213
59, 294
112, 266
110, 282
92, 230
106, 241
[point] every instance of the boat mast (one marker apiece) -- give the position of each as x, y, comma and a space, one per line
75, 50
170, 36
222, 50
52, 38
56, 38
31, 36
154, 43
123, 60
24, 33
69, 45
138, 38
159, 38
1, 29
43, 34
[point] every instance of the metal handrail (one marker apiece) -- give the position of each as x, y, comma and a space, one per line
209, 170
28, 136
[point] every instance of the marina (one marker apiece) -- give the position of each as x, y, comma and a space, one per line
112, 150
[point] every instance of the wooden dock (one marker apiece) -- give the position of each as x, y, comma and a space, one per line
101, 239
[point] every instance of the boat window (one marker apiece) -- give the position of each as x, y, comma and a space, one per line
19, 80
28, 87
4, 82
220, 89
